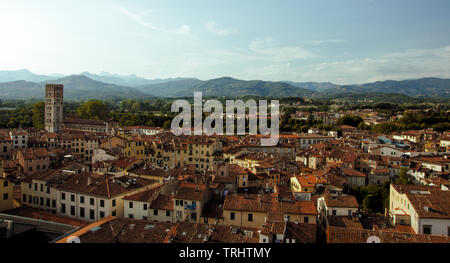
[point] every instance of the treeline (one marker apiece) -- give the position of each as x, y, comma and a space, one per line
438, 120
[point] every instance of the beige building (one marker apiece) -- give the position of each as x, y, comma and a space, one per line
189, 201
33, 160
425, 208
252, 210
337, 205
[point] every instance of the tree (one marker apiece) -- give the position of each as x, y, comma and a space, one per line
38, 115
167, 125
402, 177
93, 110
353, 121
136, 107
385, 128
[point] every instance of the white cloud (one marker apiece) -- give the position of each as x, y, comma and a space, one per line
140, 19
271, 49
215, 29
327, 41
408, 64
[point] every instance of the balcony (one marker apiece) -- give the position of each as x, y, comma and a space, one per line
190, 207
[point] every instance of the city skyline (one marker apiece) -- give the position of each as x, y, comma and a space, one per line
345, 42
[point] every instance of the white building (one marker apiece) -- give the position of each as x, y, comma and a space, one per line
426, 209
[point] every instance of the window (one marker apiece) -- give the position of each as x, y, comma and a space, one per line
250, 217
48, 190
231, 216
5, 196
145, 207
63, 208
306, 219
131, 205
72, 210
54, 203
72, 198
5, 183
63, 196
113, 213
349, 212
102, 214
92, 214
24, 198
42, 188
130, 216
114, 203
144, 218
81, 211
102, 203
427, 229
155, 212
334, 212
82, 199
167, 213
91, 201
194, 216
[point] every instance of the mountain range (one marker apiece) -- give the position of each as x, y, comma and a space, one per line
23, 84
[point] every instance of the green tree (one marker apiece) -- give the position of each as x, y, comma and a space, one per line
93, 110
353, 121
402, 177
167, 125
38, 115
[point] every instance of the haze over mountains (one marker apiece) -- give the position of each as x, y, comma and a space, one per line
23, 84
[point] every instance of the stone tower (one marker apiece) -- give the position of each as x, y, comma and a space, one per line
54, 107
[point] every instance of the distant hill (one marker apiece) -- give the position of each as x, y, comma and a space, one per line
129, 81
430, 87
23, 84
316, 86
76, 87
368, 97
229, 87
168, 89
23, 74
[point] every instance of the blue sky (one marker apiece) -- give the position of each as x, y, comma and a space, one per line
341, 41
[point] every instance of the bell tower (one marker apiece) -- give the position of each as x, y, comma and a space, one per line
54, 107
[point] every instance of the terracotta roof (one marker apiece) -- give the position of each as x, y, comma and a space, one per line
344, 221
224, 234
240, 202
352, 172
32, 153
427, 201
103, 185
121, 230
190, 191
301, 232
341, 201
83, 121
163, 202
348, 235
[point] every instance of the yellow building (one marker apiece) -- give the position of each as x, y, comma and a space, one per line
135, 148
6, 194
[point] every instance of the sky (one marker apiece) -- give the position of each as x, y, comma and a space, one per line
339, 41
